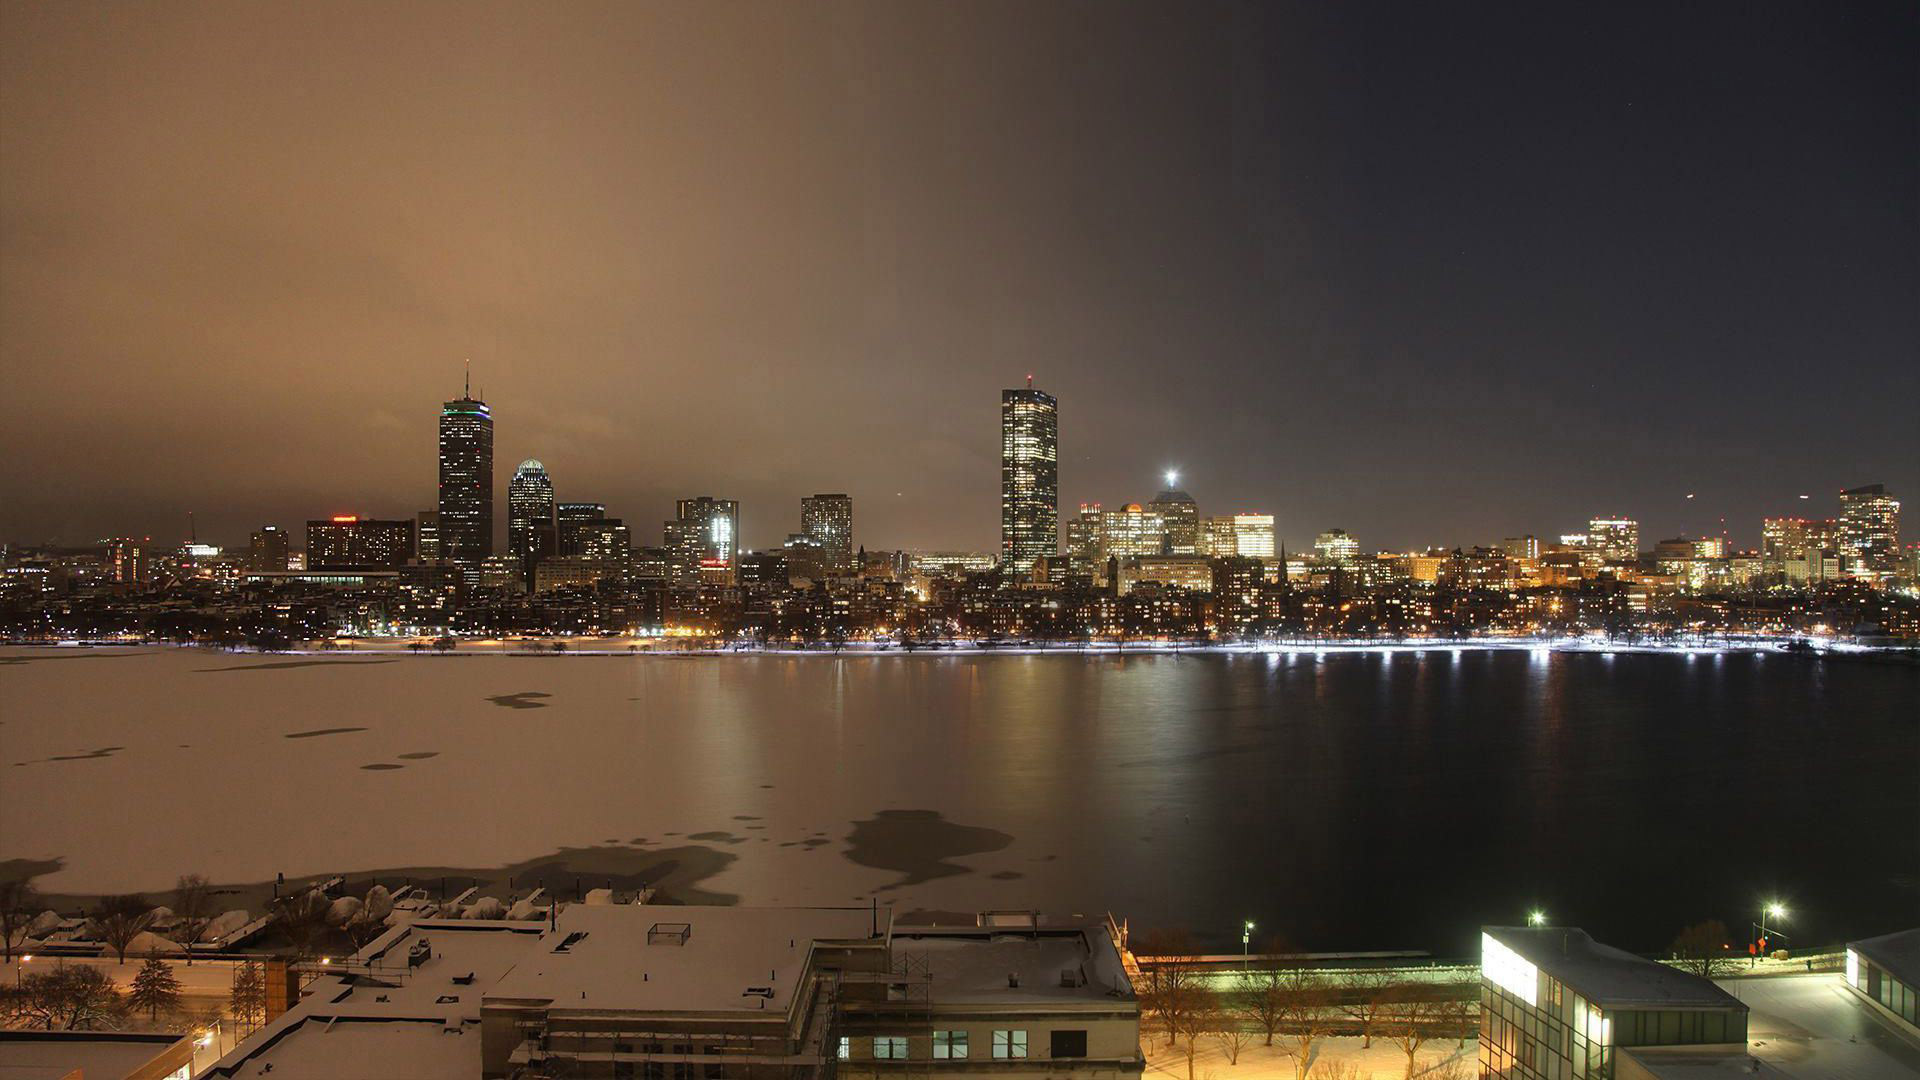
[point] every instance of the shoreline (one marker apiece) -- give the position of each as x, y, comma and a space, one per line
654, 647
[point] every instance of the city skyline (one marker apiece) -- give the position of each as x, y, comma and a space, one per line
1319, 272
1029, 439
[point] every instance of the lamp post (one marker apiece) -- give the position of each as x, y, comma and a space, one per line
1536, 917
1246, 945
1776, 911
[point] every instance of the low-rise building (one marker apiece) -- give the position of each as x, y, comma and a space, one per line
1886, 971
1556, 1004
95, 1055
714, 993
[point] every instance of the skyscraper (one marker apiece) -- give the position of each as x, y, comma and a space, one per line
1869, 528
829, 520
466, 479
1029, 478
704, 539
1182, 517
531, 527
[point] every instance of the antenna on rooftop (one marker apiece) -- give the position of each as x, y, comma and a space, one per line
468, 392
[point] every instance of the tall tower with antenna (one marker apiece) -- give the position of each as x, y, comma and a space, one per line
466, 477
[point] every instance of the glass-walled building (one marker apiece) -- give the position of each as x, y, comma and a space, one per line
1886, 971
1555, 1005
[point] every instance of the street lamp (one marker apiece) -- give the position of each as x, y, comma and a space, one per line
1246, 945
1776, 911
1536, 917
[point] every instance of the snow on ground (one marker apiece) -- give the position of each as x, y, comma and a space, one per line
1382, 1061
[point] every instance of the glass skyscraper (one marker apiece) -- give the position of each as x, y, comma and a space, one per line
1029, 478
466, 480
531, 525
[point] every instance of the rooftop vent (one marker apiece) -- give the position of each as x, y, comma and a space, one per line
669, 933
571, 940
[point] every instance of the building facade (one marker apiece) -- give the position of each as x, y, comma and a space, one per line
829, 520
349, 542
466, 480
1885, 970
1556, 1005
1613, 540
1869, 530
1029, 478
704, 539
532, 530
269, 548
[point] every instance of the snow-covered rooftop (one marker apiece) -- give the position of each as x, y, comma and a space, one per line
95, 1053
421, 1020
1013, 967
1897, 952
680, 959
1610, 978
1695, 1063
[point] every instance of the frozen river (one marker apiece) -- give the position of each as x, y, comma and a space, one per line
1353, 801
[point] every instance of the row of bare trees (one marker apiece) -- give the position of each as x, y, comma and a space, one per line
117, 920
1295, 1007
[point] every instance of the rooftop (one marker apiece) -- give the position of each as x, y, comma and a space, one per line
1898, 953
421, 1017
98, 1055
1694, 1063
1014, 967
1610, 978
680, 959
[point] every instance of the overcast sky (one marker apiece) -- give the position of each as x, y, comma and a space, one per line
1438, 273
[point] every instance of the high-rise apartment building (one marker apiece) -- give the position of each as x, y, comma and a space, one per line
466, 479
532, 532
269, 548
348, 542
1613, 540
829, 519
1029, 478
704, 538
130, 560
1869, 528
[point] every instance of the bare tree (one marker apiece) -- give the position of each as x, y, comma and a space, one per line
1417, 1022
1306, 1014
1366, 994
1231, 1033
1171, 982
192, 910
1338, 1069
121, 919
303, 918
156, 989
1198, 1018
18, 902
67, 998
1257, 999
1702, 949
247, 1000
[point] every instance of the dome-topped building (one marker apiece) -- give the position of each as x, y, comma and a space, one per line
530, 522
